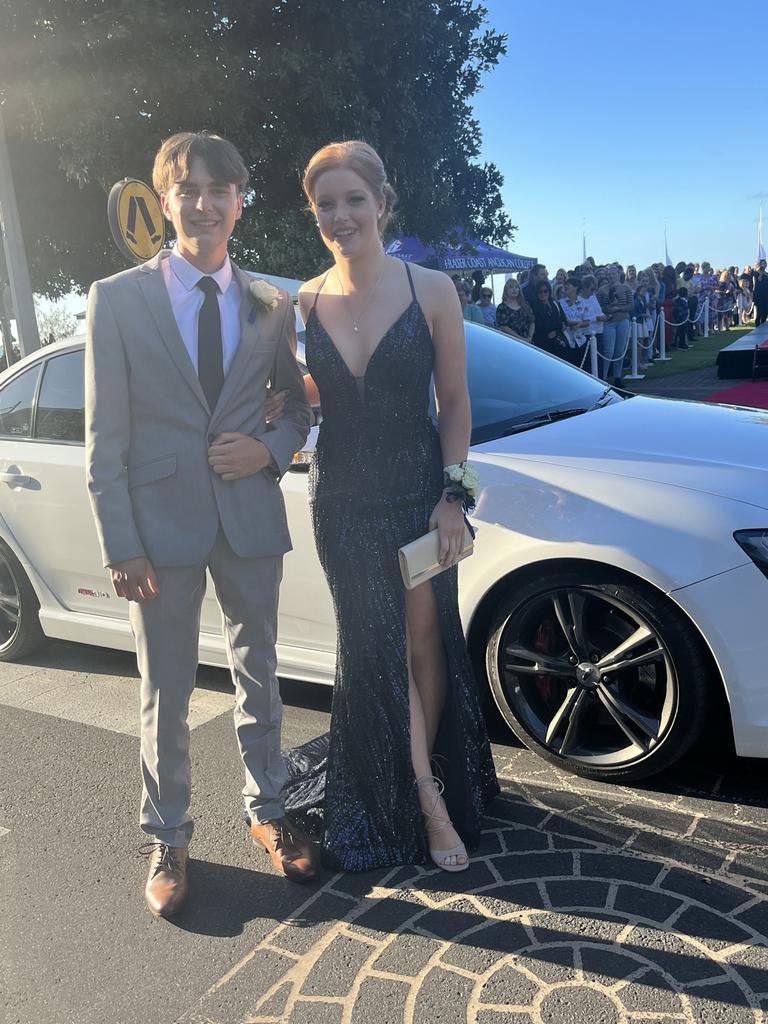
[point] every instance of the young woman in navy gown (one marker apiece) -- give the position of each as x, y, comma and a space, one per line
405, 699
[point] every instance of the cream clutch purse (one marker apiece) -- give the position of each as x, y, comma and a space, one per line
418, 560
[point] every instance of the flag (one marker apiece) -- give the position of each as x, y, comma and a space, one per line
760, 246
667, 260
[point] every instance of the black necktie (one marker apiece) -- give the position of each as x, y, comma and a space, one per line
210, 359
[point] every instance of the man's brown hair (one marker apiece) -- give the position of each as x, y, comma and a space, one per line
223, 161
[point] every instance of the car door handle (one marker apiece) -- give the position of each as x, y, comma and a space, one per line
15, 479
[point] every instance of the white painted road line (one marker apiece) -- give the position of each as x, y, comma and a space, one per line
105, 701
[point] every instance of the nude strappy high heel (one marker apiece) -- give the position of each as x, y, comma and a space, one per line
435, 823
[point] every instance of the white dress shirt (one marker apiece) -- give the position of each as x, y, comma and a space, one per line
186, 300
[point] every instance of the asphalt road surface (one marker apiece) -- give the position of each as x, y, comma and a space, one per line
586, 903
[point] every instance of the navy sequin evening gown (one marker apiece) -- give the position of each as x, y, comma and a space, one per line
376, 476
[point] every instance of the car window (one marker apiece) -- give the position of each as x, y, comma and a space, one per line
16, 401
511, 382
61, 405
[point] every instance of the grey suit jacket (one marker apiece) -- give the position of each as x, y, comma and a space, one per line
148, 426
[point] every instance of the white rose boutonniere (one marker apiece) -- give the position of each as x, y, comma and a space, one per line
262, 293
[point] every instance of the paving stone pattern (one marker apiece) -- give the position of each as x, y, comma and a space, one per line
586, 904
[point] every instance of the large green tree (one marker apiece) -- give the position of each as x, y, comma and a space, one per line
90, 87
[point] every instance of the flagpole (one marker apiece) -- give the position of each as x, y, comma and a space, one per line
760, 246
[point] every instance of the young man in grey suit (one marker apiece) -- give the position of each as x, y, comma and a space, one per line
183, 473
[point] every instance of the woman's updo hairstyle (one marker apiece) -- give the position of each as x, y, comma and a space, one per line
360, 158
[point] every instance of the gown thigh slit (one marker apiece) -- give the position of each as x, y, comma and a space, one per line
428, 699
374, 481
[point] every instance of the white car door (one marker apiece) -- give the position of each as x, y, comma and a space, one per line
43, 496
307, 619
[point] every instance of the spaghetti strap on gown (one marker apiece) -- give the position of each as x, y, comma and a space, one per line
376, 476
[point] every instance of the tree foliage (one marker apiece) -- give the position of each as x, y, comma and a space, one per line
90, 88
55, 322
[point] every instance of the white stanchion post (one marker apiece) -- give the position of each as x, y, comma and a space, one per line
633, 374
593, 354
706, 317
663, 357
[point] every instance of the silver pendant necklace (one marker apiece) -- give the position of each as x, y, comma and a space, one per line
356, 321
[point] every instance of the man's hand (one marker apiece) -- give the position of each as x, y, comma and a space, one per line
233, 456
134, 579
275, 405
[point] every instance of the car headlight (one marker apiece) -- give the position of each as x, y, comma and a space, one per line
755, 543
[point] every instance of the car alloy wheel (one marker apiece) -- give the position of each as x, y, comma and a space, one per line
598, 676
20, 630
10, 602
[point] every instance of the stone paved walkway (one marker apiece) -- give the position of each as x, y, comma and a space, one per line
586, 903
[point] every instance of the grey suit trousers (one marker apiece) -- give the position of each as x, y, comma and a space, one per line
166, 631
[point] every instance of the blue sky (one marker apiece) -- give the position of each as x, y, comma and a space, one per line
618, 119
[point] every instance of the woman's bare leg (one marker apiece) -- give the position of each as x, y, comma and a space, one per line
426, 653
427, 681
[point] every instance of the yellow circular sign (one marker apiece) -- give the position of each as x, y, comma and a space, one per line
136, 219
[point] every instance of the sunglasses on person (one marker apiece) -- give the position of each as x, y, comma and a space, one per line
486, 295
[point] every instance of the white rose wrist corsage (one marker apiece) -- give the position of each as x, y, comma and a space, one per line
461, 483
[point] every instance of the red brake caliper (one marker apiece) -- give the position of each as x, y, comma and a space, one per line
546, 638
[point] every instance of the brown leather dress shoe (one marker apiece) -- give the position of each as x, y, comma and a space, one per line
292, 853
167, 887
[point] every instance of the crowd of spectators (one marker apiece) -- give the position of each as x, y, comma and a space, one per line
560, 315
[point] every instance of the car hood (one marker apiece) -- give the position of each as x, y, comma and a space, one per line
716, 449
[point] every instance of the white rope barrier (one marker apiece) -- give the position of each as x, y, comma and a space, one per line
616, 358
635, 344
651, 338
590, 350
721, 312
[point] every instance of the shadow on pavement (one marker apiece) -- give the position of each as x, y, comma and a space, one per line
226, 898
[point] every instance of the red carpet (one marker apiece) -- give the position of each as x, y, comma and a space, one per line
752, 393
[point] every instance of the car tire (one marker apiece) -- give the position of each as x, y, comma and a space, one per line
20, 630
599, 674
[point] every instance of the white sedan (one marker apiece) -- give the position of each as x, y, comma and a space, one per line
617, 600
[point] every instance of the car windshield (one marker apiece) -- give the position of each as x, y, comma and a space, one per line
512, 384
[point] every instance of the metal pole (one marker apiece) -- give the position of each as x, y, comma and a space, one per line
5, 314
663, 357
706, 315
5, 334
633, 374
18, 273
593, 354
